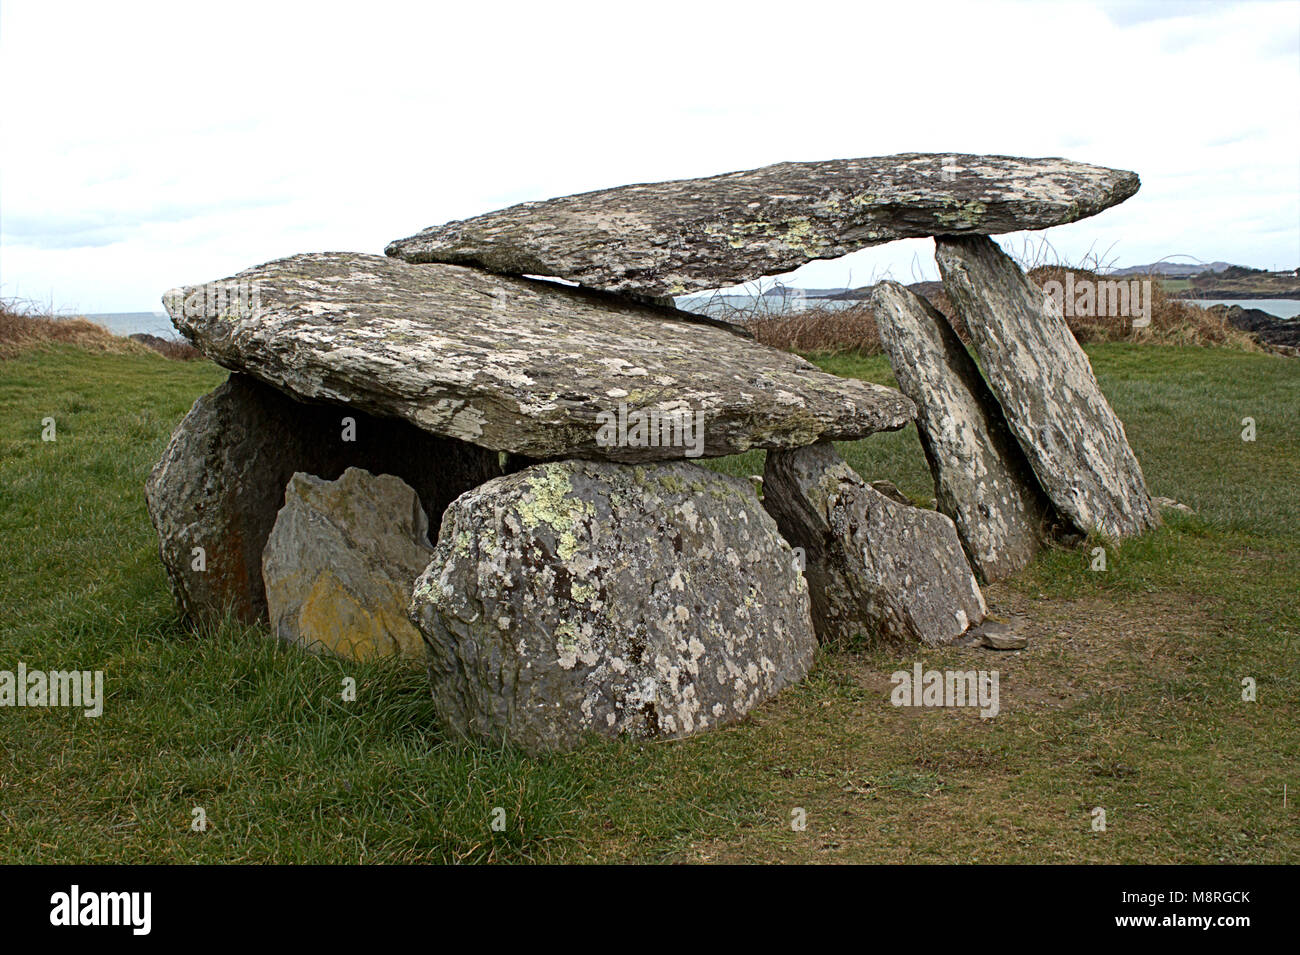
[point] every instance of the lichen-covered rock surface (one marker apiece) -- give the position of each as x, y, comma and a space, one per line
670, 238
1044, 382
516, 365
340, 564
981, 478
221, 480
583, 597
877, 569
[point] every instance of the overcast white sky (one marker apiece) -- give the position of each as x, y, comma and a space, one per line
144, 147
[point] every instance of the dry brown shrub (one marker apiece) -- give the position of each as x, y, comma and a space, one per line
851, 329
178, 350
1173, 321
168, 347
23, 328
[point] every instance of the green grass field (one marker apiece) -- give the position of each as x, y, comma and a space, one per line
1128, 698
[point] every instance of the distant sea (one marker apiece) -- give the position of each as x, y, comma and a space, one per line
1281, 307
129, 323
718, 306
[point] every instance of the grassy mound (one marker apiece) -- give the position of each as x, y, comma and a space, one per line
23, 328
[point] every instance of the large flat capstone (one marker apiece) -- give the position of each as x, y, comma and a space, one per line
1045, 385
531, 368
584, 597
669, 238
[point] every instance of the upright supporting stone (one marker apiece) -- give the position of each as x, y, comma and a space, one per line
981, 478
214, 495
584, 597
876, 568
340, 564
1045, 384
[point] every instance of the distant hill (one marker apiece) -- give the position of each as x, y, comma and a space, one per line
1173, 269
1199, 280
786, 291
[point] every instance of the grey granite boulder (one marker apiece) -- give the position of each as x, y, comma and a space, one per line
669, 238
221, 480
981, 478
1048, 393
583, 597
530, 368
340, 564
877, 569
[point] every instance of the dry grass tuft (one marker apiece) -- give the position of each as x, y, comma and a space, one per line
1173, 321
23, 328
819, 330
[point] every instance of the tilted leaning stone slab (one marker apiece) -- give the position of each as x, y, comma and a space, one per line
531, 368
669, 238
981, 478
877, 568
1044, 382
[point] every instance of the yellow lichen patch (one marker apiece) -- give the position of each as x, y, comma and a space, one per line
566, 638
799, 235
672, 483
574, 645
464, 543
332, 619
552, 503
966, 214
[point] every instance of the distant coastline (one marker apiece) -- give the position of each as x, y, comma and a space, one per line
717, 306
133, 323
1234, 296
736, 306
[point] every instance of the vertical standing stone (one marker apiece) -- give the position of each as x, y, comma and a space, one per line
876, 568
585, 597
340, 564
1044, 382
221, 482
981, 478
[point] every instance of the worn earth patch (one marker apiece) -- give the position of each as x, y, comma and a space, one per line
879, 782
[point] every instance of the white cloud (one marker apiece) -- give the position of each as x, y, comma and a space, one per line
145, 146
